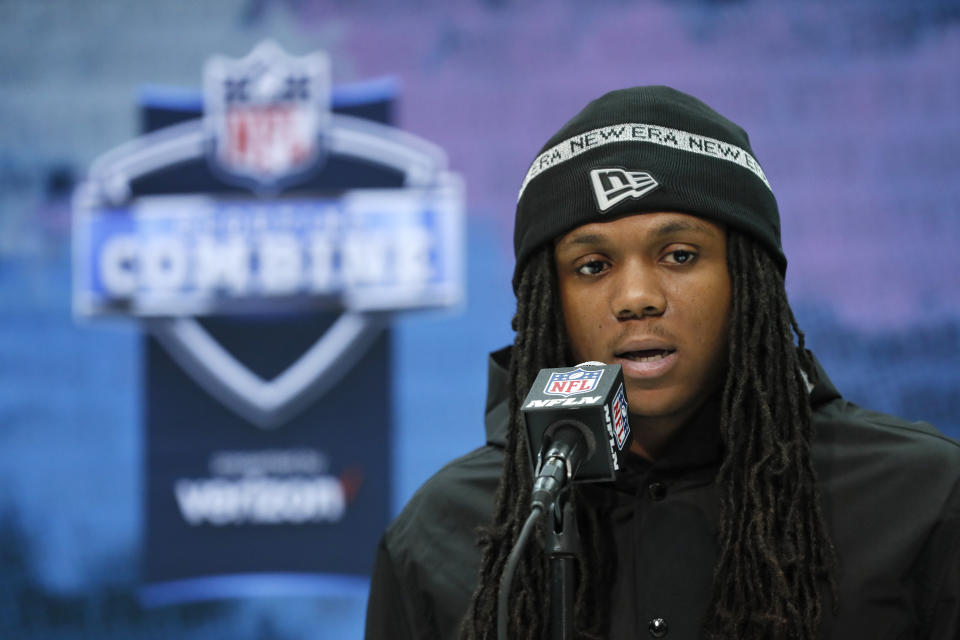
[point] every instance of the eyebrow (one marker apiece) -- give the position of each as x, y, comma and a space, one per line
663, 229
674, 226
591, 238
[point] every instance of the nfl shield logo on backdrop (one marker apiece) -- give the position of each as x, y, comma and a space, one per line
266, 115
573, 382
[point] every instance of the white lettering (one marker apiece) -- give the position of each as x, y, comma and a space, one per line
365, 259
163, 264
412, 252
611, 438
281, 263
222, 264
322, 270
643, 133
260, 500
118, 265
565, 402
241, 254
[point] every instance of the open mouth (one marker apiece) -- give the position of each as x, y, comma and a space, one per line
646, 355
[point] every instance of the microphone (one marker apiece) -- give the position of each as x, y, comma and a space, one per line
576, 420
577, 427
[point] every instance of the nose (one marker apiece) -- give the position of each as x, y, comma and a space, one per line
637, 292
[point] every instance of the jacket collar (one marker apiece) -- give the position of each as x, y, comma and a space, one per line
823, 389
498, 397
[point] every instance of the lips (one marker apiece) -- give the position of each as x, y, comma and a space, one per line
646, 358
645, 355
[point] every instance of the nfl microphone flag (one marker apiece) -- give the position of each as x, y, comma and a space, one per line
591, 393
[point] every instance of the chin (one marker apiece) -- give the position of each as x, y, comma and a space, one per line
656, 403
647, 405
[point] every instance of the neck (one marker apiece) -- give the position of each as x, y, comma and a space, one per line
651, 435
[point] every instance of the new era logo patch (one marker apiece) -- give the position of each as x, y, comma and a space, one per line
614, 185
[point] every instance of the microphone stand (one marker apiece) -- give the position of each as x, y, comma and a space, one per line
554, 470
563, 545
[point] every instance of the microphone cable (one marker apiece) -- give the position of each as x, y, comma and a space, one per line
506, 578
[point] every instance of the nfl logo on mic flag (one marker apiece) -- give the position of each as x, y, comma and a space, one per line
591, 393
568, 383
621, 425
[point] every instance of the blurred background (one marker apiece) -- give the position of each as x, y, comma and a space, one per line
851, 107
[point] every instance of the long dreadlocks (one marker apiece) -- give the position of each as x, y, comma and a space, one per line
774, 552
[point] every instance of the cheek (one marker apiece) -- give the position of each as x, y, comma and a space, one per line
705, 309
582, 326
713, 317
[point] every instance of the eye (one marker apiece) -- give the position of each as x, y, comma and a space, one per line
681, 256
591, 268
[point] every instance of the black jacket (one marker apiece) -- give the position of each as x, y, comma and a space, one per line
891, 497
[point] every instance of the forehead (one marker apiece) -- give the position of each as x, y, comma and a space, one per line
649, 225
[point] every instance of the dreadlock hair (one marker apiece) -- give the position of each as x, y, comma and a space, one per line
774, 552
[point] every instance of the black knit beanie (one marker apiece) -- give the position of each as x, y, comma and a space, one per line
643, 150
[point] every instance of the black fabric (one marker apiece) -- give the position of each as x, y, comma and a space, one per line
560, 197
891, 493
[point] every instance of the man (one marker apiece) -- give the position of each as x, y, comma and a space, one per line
759, 503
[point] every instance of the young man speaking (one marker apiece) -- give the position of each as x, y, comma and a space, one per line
758, 503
